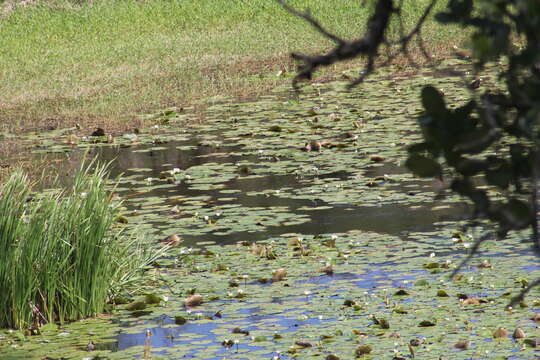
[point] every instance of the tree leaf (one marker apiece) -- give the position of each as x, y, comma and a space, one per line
459, 12
500, 176
515, 214
433, 100
470, 167
477, 141
479, 197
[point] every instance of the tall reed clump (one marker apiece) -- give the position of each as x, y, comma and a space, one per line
61, 255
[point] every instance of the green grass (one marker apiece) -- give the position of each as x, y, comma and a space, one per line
61, 258
103, 63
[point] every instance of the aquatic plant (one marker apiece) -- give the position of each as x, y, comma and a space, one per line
61, 256
305, 211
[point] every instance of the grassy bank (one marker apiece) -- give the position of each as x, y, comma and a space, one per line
104, 62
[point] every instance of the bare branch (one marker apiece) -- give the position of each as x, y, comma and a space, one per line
473, 251
367, 71
307, 16
418, 28
519, 298
367, 45
534, 201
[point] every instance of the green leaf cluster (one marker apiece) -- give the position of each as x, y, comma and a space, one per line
489, 146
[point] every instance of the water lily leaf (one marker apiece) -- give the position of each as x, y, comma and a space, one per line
303, 343
399, 310
500, 333
401, 292
193, 300
531, 342
462, 344
279, 274
152, 299
275, 128
442, 293
519, 334
238, 330
332, 357
137, 305
180, 320
363, 350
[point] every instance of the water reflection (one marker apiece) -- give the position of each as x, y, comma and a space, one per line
336, 218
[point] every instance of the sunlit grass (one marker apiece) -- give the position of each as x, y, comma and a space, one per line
61, 256
102, 63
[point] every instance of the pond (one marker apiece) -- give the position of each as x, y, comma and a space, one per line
336, 252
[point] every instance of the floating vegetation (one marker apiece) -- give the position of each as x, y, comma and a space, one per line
334, 252
370, 300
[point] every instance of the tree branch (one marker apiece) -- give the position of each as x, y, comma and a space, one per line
307, 16
534, 201
519, 298
418, 28
471, 254
367, 45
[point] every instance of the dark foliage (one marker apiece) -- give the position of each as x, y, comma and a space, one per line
490, 145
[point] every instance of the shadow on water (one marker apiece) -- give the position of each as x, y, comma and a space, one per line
332, 218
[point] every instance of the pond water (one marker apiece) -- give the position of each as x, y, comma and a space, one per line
366, 249
320, 216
